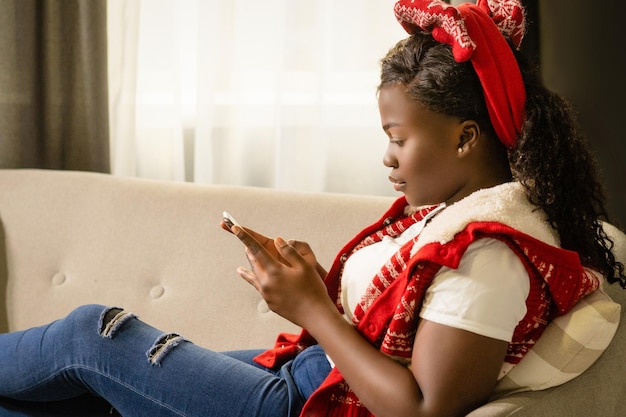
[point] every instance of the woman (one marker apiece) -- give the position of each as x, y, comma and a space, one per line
422, 312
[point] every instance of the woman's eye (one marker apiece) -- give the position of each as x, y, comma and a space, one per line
398, 142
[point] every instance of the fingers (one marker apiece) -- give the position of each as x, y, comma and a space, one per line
248, 275
297, 244
303, 248
257, 245
224, 226
289, 252
229, 227
260, 268
246, 239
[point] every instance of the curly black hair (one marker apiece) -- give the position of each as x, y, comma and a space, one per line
551, 159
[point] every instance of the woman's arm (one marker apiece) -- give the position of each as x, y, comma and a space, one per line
453, 371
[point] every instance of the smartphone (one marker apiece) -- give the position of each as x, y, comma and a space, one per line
229, 220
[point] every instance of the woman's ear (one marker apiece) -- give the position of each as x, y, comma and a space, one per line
469, 136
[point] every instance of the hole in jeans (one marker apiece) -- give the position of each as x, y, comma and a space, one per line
162, 346
111, 320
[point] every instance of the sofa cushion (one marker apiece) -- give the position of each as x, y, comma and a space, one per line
570, 345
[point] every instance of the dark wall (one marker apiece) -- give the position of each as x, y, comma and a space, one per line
582, 46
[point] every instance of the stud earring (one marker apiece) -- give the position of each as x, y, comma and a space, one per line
460, 149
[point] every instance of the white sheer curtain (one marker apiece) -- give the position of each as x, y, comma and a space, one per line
277, 93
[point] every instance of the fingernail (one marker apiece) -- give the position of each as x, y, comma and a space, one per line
281, 242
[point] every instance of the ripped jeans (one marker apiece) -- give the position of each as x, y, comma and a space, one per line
140, 371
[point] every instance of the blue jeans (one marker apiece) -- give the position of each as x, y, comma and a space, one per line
140, 371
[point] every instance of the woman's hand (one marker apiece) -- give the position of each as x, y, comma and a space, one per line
287, 275
267, 243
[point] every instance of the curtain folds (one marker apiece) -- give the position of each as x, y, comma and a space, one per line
53, 85
279, 93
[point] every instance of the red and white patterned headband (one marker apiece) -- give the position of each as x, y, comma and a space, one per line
476, 33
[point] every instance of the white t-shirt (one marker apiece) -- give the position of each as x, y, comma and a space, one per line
485, 295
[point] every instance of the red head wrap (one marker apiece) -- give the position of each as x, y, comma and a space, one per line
475, 32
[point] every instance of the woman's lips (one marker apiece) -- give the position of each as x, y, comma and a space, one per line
397, 184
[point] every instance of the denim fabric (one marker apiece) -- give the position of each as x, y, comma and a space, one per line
308, 369
138, 377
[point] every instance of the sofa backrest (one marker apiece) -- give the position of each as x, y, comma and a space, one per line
155, 248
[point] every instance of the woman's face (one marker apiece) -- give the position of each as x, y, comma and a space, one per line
423, 150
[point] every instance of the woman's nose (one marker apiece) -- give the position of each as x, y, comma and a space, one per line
389, 160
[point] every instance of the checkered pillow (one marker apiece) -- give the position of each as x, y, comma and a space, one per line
570, 345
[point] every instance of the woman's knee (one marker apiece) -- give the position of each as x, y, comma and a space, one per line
97, 319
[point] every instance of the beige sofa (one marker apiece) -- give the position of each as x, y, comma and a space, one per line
156, 248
